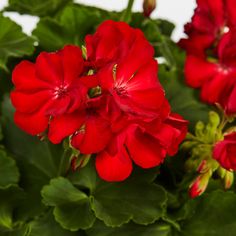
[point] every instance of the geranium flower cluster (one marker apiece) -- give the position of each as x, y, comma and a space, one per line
211, 52
107, 100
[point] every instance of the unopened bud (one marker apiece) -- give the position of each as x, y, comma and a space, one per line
228, 179
221, 172
199, 185
148, 7
78, 162
203, 167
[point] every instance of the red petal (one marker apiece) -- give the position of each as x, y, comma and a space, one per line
25, 102
198, 71
145, 150
72, 61
94, 137
114, 168
24, 78
33, 124
65, 125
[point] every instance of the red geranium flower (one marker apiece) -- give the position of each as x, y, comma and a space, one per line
225, 151
216, 79
50, 93
119, 112
209, 22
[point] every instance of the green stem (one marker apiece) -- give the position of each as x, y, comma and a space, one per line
126, 16
64, 163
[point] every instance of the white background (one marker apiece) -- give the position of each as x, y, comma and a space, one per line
177, 11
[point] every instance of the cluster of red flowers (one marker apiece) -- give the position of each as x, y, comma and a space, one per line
211, 63
109, 101
211, 52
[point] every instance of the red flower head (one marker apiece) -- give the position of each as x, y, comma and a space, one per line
210, 21
225, 151
216, 79
119, 113
49, 93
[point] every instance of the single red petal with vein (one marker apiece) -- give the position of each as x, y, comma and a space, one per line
144, 149
198, 71
94, 136
65, 125
33, 123
114, 168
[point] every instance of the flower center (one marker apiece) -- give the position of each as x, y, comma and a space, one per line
60, 91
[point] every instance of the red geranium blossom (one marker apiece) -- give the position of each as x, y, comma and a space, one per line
50, 93
209, 22
119, 112
225, 151
216, 77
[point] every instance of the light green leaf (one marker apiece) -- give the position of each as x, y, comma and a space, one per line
72, 207
13, 43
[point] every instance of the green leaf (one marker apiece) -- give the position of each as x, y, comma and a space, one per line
183, 99
212, 215
118, 203
13, 43
9, 199
37, 7
131, 229
72, 207
39, 161
47, 226
69, 28
9, 173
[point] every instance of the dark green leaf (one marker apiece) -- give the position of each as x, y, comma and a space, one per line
118, 203
183, 100
131, 229
9, 173
213, 214
47, 226
37, 7
39, 161
72, 207
13, 43
9, 199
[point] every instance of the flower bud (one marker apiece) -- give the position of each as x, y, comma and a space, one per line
148, 7
199, 185
228, 179
78, 162
203, 167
